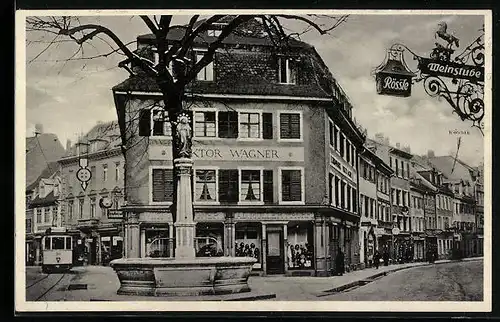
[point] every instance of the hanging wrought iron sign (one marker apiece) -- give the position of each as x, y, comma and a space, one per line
458, 80
394, 78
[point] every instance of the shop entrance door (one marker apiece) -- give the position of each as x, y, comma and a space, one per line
275, 260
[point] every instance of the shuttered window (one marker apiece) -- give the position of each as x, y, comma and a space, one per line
163, 188
228, 185
342, 195
342, 144
332, 127
228, 124
337, 191
348, 192
145, 122
267, 125
290, 126
354, 200
330, 190
291, 185
268, 186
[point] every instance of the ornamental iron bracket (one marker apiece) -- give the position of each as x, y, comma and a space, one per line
458, 79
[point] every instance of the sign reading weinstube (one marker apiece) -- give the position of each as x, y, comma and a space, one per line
451, 70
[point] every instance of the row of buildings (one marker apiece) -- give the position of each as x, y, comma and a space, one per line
282, 172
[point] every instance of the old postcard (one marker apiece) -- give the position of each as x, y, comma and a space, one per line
286, 160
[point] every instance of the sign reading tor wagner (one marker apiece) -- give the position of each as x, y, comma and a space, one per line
233, 153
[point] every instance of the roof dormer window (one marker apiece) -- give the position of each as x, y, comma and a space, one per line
41, 190
214, 33
287, 70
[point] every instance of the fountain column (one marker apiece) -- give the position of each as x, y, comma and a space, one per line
184, 224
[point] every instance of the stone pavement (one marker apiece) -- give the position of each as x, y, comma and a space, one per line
102, 284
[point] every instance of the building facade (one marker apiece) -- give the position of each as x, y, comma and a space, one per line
368, 206
44, 209
398, 160
461, 180
97, 230
42, 150
384, 227
417, 193
275, 171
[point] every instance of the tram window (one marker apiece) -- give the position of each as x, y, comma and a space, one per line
57, 242
47, 243
68, 243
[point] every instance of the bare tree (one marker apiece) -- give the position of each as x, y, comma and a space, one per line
177, 51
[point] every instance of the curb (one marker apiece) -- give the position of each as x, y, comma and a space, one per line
371, 278
227, 297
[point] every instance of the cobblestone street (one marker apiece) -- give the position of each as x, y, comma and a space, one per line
93, 283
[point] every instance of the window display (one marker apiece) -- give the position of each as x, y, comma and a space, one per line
300, 256
209, 240
248, 243
157, 243
299, 251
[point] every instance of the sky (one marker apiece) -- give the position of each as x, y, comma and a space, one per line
70, 97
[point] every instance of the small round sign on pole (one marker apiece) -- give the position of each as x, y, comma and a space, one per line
395, 231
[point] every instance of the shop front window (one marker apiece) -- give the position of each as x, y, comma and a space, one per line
248, 242
157, 243
209, 240
300, 251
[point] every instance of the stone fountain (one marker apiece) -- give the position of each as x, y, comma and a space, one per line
185, 274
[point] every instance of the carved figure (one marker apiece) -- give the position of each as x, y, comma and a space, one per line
449, 38
183, 135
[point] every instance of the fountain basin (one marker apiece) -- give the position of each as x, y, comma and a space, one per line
183, 277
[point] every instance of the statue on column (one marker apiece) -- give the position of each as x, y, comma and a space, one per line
183, 137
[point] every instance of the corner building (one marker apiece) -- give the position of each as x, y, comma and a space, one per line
266, 159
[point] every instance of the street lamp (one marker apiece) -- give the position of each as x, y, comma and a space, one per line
459, 80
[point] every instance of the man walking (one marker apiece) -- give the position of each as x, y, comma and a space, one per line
386, 257
376, 259
339, 262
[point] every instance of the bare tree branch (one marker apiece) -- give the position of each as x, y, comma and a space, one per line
150, 24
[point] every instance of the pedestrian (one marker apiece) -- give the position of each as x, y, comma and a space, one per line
385, 256
376, 259
339, 262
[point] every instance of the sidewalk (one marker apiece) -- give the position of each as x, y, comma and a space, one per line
102, 283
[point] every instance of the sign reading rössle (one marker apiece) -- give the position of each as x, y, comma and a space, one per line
451, 70
393, 84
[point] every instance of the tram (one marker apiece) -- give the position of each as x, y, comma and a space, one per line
57, 251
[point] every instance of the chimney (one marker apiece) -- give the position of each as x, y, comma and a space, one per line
430, 153
379, 137
38, 129
398, 145
68, 145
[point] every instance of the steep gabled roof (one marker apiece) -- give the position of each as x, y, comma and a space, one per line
49, 199
41, 150
108, 132
49, 170
251, 32
446, 164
